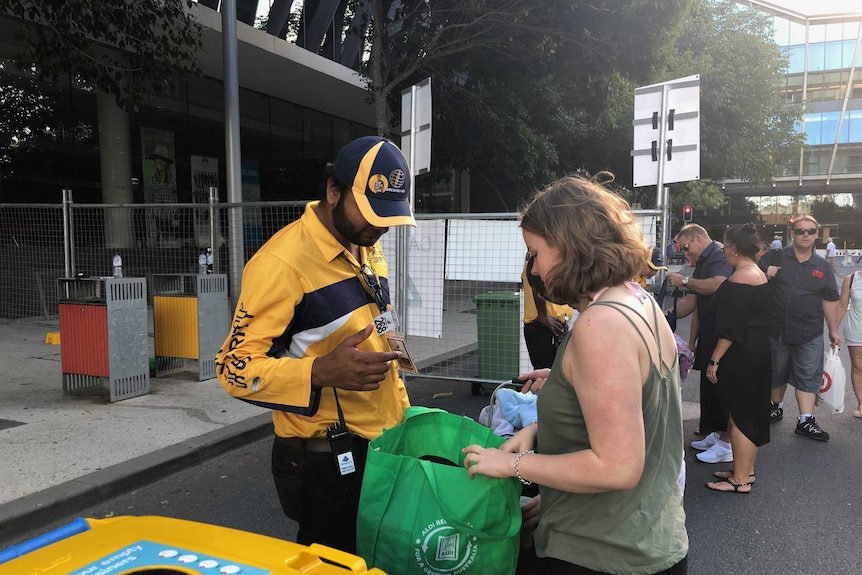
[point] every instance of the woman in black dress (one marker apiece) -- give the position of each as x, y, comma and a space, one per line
741, 365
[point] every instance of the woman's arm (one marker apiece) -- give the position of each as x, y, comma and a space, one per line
721, 348
844, 299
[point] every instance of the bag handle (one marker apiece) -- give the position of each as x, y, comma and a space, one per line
514, 515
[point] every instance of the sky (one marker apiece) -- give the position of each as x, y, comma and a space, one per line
820, 7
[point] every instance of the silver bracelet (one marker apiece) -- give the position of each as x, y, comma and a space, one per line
518, 461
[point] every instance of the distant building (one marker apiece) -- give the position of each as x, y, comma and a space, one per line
825, 53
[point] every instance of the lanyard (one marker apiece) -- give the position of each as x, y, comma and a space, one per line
369, 282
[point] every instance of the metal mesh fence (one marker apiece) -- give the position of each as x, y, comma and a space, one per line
464, 304
31, 260
451, 261
463, 287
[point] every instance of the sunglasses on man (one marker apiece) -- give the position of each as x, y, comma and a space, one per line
805, 231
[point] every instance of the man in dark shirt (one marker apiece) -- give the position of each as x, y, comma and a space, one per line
803, 292
710, 271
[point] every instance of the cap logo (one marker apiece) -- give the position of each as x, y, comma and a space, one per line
396, 178
378, 183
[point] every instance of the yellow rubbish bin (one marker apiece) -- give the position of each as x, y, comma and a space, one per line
164, 546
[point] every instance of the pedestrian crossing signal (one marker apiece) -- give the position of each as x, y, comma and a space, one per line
686, 213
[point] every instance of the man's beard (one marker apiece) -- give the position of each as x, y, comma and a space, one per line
345, 227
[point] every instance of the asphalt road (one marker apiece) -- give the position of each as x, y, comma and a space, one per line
804, 515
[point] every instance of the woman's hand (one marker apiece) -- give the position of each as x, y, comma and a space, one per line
499, 462
534, 380
712, 373
523, 440
488, 461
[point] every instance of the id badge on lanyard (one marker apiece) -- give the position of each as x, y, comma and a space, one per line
386, 324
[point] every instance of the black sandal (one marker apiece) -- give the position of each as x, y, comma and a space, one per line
736, 486
716, 474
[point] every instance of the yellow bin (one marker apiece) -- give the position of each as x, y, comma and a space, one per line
163, 546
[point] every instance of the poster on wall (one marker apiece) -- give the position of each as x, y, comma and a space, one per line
160, 187
253, 233
204, 177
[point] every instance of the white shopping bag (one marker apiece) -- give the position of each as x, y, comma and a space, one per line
831, 395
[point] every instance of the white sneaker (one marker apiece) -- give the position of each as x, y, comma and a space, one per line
706, 442
720, 452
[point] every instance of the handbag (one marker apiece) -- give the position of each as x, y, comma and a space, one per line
419, 511
831, 394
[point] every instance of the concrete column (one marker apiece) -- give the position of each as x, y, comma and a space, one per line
114, 155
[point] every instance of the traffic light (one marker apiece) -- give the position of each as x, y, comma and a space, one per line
686, 213
790, 221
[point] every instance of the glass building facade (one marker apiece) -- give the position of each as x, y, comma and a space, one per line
825, 54
296, 111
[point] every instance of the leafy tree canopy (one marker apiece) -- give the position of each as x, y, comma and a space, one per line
126, 48
546, 90
527, 91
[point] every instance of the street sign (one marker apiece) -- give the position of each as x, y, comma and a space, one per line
416, 126
667, 133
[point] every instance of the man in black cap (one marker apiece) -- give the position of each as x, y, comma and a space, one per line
308, 339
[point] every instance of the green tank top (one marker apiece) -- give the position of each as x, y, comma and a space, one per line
633, 532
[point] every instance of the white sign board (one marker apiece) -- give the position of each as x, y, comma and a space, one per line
485, 250
416, 126
426, 249
667, 132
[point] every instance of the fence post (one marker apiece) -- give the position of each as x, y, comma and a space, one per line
214, 227
68, 235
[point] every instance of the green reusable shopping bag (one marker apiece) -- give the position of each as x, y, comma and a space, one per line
419, 515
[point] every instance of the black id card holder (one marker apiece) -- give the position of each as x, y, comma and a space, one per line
341, 445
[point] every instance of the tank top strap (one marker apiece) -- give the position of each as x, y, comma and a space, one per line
617, 305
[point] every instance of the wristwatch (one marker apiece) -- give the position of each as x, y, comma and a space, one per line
713, 362
685, 280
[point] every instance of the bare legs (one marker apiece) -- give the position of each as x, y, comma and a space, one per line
744, 454
856, 376
804, 399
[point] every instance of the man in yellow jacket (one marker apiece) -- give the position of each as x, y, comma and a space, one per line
309, 339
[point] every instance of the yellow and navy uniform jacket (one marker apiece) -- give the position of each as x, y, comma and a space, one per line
560, 312
301, 297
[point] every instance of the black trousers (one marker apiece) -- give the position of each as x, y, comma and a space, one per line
312, 493
541, 344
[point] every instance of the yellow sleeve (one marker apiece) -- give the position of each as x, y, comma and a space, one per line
250, 364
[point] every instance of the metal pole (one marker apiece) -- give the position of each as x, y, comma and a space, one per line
214, 224
67, 232
402, 239
662, 192
236, 245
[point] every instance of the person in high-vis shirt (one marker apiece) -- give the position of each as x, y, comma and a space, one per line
309, 339
545, 323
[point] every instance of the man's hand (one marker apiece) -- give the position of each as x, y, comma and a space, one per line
347, 367
556, 326
674, 280
835, 338
772, 271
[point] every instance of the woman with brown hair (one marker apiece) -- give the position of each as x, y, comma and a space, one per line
607, 449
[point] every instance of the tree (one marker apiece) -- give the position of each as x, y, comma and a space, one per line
547, 91
747, 129
128, 48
